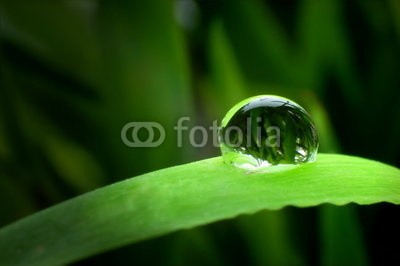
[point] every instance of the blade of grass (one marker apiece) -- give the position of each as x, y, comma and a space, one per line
325, 43
262, 46
338, 224
227, 77
268, 236
186, 196
196, 245
145, 77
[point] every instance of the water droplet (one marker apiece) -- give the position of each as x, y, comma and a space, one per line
267, 130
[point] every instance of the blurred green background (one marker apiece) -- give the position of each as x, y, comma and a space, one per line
74, 72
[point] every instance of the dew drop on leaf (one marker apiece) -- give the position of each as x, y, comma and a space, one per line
265, 131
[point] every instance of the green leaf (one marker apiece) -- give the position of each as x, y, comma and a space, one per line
186, 196
325, 44
337, 222
145, 77
269, 237
263, 48
227, 77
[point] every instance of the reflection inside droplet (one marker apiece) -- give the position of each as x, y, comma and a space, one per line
267, 130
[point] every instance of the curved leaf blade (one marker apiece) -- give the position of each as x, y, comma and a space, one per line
186, 196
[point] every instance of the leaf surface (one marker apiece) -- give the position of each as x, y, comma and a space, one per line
186, 196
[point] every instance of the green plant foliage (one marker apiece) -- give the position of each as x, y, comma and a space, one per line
186, 196
73, 73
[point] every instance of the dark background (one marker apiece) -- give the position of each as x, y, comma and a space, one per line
73, 73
